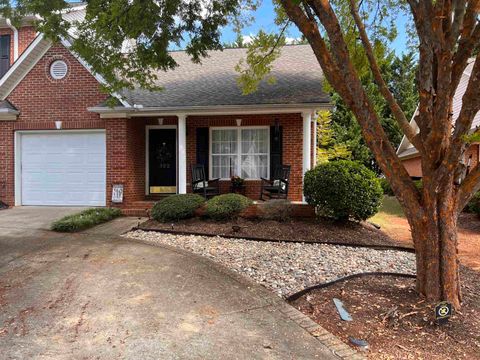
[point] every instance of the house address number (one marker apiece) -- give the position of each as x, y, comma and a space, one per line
117, 194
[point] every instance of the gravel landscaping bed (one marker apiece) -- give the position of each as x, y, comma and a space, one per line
286, 268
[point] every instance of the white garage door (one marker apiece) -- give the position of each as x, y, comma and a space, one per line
63, 169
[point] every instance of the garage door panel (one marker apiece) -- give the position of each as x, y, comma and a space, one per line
64, 169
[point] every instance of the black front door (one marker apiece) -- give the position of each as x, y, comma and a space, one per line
162, 161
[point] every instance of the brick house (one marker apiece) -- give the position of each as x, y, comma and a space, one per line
62, 145
410, 156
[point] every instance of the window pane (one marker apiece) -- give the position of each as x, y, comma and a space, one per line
254, 159
255, 141
223, 166
224, 141
254, 166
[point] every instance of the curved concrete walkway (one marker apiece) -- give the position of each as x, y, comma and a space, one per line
97, 296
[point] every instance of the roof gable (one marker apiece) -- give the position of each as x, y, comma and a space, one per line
30, 57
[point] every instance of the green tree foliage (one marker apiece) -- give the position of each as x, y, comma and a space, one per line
399, 72
259, 61
128, 41
328, 147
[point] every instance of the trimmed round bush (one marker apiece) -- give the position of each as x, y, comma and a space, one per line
226, 206
177, 207
343, 190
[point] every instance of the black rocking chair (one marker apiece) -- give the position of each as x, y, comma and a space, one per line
277, 186
201, 185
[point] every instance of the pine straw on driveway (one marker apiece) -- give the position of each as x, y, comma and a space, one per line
396, 323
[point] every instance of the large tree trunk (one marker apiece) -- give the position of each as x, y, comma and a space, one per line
445, 45
435, 240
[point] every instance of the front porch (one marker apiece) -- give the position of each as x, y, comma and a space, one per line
151, 157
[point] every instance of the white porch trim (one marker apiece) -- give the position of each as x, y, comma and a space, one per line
307, 143
259, 109
182, 153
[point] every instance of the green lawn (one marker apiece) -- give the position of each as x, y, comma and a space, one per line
389, 208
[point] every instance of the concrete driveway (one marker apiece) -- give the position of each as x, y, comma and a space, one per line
95, 295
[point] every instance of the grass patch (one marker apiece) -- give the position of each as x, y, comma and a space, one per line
85, 219
390, 207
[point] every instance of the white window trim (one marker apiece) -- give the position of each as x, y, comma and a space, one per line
239, 144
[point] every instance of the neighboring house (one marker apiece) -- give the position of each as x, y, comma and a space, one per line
62, 145
410, 156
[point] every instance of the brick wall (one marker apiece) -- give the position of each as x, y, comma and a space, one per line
6, 162
292, 146
25, 37
44, 100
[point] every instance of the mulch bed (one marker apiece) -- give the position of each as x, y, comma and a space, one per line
396, 323
297, 230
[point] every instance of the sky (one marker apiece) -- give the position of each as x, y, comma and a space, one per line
264, 20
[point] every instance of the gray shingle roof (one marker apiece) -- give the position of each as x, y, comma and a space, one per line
7, 105
214, 82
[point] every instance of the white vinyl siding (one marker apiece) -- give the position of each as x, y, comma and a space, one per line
242, 151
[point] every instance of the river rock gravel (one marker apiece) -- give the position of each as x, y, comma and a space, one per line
285, 268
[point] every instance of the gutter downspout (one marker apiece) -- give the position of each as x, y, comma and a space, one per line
15, 39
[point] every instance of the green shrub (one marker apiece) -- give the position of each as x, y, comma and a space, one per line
342, 190
473, 205
226, 206
85, 219
177, 207
276, 209
387, 189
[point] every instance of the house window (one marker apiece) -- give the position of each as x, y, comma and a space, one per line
4, 54
242, 151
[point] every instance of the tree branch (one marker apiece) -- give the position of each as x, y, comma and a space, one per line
382, 86
457, 23
469, 187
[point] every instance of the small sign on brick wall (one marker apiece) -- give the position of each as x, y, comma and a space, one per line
117, 194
